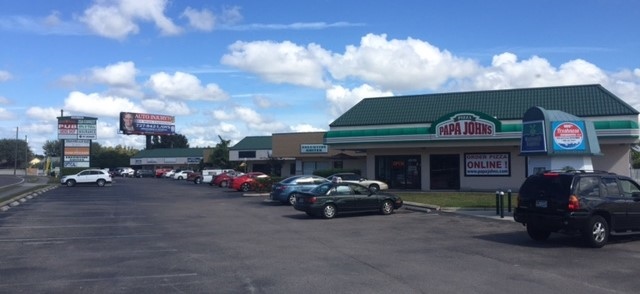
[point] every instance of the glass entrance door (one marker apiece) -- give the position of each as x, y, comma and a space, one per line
445, 171
399, 172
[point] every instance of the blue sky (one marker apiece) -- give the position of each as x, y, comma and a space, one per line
243, 68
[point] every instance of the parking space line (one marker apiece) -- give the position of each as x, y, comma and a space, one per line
75, 238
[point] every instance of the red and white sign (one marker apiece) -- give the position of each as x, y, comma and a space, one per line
568, 135
465, 125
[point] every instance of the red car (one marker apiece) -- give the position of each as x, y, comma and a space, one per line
222, 180
247, 181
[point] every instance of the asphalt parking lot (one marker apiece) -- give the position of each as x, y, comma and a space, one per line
164, 236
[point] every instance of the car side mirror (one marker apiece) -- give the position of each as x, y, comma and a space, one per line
636, 196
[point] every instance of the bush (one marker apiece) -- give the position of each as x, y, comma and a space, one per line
262, 185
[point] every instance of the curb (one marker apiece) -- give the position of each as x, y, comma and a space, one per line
24, 197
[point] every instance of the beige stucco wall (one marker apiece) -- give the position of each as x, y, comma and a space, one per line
287, 146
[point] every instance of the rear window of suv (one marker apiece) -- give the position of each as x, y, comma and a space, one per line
550, 185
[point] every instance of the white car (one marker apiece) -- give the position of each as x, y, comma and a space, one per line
181, 175
373, 185
207, 175
170, 173
127, 172
88, 176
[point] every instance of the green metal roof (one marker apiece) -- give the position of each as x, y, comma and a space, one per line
580, 100
173, 152
253, 143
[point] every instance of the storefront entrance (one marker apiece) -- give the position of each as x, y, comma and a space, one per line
445, 171
399, 172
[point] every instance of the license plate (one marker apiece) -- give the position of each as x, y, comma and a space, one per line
541, 203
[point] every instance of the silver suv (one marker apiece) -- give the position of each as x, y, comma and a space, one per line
88, 176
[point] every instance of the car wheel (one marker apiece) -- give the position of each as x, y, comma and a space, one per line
245, 187
70, 183
292, 198
101, 183
386, 208
224, 184
374, 188
180, 178
329, 211
596, 234
198, 180
537, 234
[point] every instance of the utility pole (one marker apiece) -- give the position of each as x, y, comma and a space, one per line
15, 158
26, 154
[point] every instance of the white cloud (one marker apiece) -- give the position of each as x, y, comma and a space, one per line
280, 63
256, 122
121, 74
4, 100
117, 18
5, 76
262, 102
46, 127
342, 99
301, 128
40, 113
223, 115
203, 20
231, 15
6, 115
399, 64
184, 86
95, 104
168, 107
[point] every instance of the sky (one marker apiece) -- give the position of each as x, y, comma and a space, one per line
231, 69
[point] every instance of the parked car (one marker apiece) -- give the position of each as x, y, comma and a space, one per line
170, 173
144, 173
222, 180
374, 185
161, 171
330, 198
181, 175
207, 175
87, 177
247, 182
594, 204
285, 191
127, 172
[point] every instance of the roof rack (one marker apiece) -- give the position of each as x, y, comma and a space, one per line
581, 171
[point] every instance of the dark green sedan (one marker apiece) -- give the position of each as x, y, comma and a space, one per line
329, 199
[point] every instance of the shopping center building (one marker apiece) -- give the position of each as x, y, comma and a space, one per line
473, 140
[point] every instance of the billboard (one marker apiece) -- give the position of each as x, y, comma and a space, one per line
132, 123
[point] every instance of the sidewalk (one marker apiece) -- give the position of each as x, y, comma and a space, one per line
489, 213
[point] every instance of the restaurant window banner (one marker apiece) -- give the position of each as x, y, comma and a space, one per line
487, 164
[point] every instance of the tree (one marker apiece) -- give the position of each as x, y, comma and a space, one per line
52, 148
220, 155
635, 156
8, 153
168, 142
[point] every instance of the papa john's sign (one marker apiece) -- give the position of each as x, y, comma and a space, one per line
466, 124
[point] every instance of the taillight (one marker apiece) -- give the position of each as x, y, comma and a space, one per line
574, 204
312, 199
